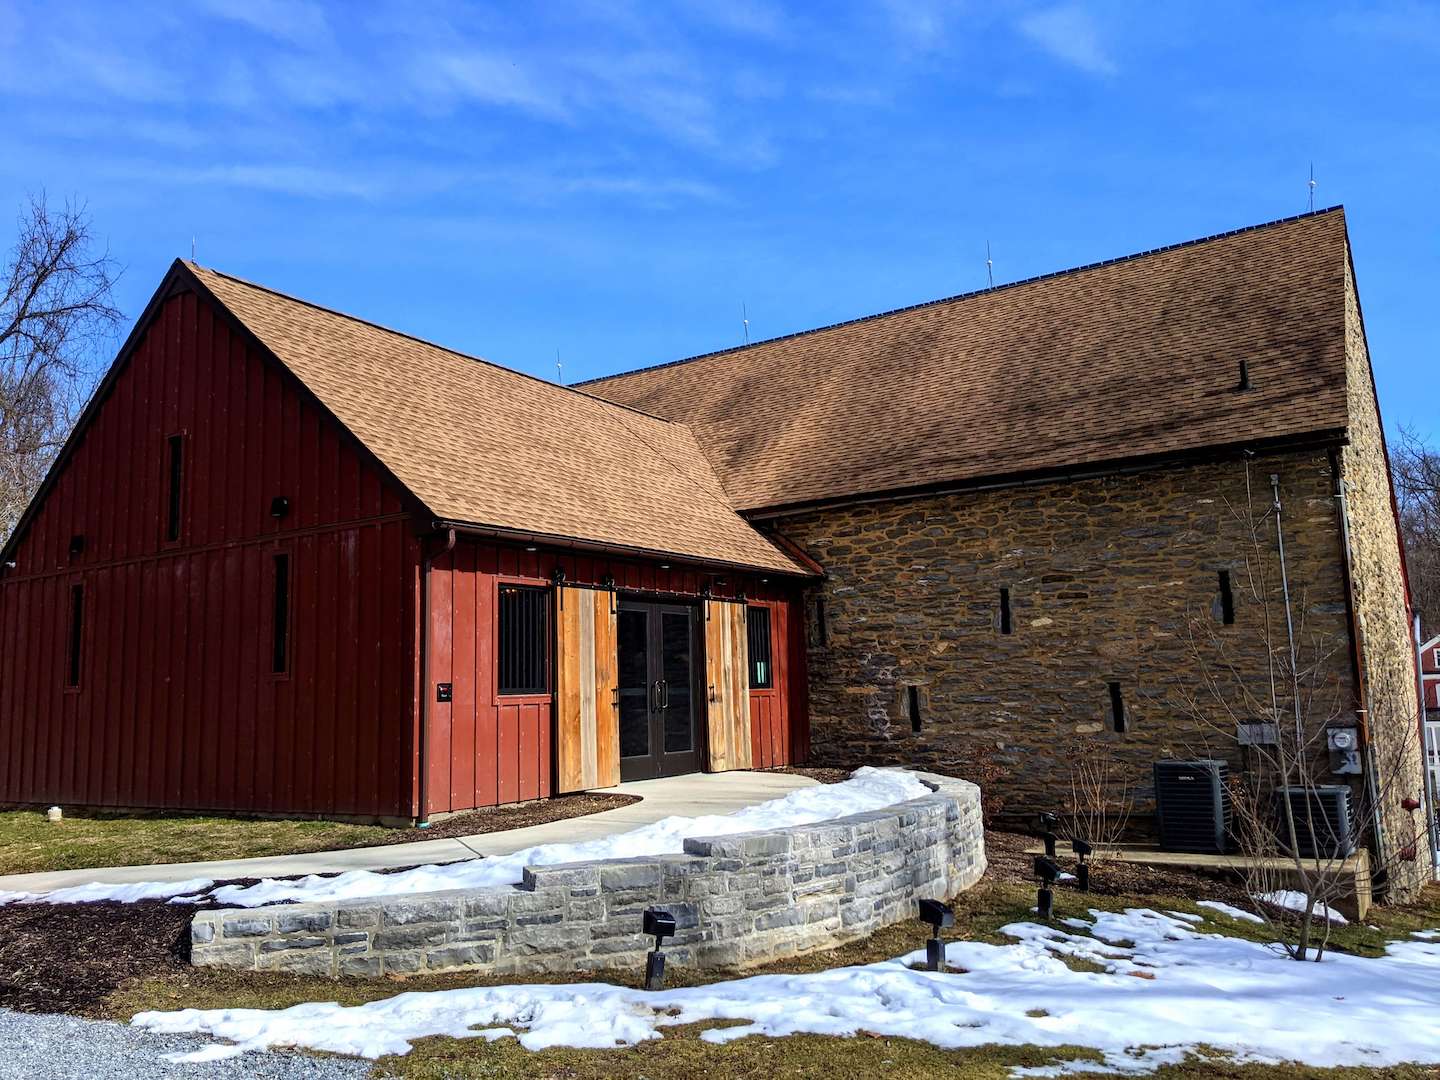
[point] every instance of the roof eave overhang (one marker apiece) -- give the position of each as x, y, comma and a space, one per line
1313, 440
604, 547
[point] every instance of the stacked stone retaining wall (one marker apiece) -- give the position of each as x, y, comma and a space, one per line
737, 900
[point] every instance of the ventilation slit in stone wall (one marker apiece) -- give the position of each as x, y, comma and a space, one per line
822, 632
912, 699
1227, 599
1005, 625
1117, 708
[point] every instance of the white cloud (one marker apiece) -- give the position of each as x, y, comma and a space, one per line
1069, 33
288, 20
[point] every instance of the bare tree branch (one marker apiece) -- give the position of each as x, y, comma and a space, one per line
56, 311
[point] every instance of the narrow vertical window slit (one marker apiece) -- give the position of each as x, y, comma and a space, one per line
1118, 720
912, 698
1227, 599
77, 634
280, 632
1005, 626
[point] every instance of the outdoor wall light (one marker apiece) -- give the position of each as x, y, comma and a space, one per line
558, 575
77, 545
279, 507
1047, 870
1082, 872
1048, 824
938, 916
659, 924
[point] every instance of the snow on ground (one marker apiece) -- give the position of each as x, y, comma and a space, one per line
867, 789
1289, 900
1229, 909
127, 894
1167, 989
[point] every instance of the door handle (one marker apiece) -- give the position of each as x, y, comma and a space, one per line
664, 693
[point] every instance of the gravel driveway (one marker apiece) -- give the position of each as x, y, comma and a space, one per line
68, 1048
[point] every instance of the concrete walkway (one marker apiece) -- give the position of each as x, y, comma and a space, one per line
682, 796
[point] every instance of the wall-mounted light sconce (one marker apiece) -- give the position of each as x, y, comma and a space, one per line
77, 545
279, 507
558, 575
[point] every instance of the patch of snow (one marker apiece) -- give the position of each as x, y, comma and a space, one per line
1228, 909
1165, 993
1423, 935
125, 894
867, 789
1186, 915
1289, 900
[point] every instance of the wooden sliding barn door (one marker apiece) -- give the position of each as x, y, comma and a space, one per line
727, 677
587, 731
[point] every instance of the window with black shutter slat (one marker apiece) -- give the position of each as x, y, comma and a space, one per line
757, 628
524, 634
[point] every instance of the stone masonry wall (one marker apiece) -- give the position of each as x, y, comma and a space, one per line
1110, 580
1382, 614
737, 900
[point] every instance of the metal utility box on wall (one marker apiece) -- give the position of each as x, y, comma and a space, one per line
1192, 806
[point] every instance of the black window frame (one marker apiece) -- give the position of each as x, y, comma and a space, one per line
281, 612
758, 638
522, 640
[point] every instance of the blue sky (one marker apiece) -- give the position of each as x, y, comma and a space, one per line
614, 179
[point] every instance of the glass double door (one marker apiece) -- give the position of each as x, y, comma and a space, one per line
659, 695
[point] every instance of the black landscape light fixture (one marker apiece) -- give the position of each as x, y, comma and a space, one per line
658, 924
1082, 848
1047, 870
939, 916
1048, 824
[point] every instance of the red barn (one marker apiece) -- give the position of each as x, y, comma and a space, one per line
291, 562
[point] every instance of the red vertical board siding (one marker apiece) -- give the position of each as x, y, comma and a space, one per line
177, 705
486, 749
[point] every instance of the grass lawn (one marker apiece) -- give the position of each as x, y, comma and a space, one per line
30, 843
681, 1054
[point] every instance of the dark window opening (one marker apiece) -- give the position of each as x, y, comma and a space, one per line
1244, 375
1117, 709
822, 631
757, 632
177, 475
77, 634
912, 702
1004, 611
1227, 599
524, 632
280, 628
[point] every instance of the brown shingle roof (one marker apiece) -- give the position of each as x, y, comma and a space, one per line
486, 446
1125, 359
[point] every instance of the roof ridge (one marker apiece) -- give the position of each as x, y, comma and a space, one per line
1340, 207
572, 388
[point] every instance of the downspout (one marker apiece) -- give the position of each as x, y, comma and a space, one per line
1357, 632
1427, 789
423, 753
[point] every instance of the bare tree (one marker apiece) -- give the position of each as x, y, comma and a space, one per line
1416, 468
55, 309
1099, 807
1295, 869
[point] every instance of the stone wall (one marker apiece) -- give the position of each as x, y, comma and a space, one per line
738, 901
1383, 619
1110, 580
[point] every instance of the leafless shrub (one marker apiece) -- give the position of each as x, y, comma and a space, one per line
1099, 806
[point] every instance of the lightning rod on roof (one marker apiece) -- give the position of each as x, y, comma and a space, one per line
192, 249
559, 370
1312, 187
745, 322
989, 267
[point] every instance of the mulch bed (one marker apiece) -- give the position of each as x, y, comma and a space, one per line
1010, 863
516, 816
67, 957
824, 776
